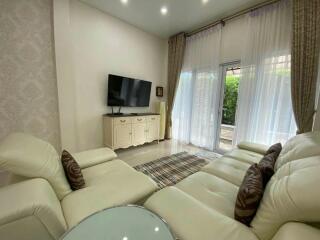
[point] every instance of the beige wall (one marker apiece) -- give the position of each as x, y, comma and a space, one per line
28, 89
91, 44
97, 45
64, 69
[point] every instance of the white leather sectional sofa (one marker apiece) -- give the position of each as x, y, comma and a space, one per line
42, 205
202, 205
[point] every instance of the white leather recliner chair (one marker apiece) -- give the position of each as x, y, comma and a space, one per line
43, 206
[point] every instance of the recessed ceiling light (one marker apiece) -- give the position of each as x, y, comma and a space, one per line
205, 1
164, 10
124, 1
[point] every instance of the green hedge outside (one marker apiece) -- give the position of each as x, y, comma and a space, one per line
230, 99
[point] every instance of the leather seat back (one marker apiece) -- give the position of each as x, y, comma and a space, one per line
301, 146
30, 210
292, 194
31, 157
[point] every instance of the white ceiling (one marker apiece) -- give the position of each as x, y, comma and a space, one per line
183, 15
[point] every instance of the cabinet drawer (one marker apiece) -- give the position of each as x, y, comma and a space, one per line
153, 118
138, 119
122, 120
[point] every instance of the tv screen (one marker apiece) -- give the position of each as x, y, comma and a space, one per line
128, 92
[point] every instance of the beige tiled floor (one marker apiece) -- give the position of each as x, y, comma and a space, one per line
152, 151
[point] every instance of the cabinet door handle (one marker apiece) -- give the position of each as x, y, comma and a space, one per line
153, 119
139, 119
123, 121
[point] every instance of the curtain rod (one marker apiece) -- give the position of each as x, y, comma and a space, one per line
237, 14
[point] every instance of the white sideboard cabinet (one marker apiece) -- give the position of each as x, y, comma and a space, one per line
129, 130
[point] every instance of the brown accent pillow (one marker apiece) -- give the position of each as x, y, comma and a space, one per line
249, 195
72, 171
266, 166
275, 148
267, 163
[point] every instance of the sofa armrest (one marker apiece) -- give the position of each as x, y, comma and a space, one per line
94, 157
297, 231
253, 147
33, 207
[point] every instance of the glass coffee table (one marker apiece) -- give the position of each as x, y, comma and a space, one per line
121, 223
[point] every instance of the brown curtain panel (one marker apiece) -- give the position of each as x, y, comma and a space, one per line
177, 45
305, 57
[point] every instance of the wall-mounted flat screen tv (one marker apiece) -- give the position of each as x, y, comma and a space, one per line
128, 92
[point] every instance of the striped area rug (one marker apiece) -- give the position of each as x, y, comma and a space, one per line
168, 171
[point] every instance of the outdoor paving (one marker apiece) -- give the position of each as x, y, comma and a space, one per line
226, 137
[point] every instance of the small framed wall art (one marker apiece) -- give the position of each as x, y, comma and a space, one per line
159, 91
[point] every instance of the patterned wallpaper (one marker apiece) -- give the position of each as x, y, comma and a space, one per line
28, 86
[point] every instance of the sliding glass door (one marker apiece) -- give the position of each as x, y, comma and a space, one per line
230, 76
217, 110
204, 112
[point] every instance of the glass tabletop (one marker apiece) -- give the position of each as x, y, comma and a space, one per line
121, 223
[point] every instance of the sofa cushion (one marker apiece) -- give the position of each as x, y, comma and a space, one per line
275, 148
301, 146
249, 195
106, 171
93, 157
245, 156
190, 219
109, 184
297, 231
31, 157
292, 194
253, 147
228, 169
212, 191
72, 171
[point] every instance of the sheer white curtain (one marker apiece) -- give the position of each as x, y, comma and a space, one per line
264, 113
195, 112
